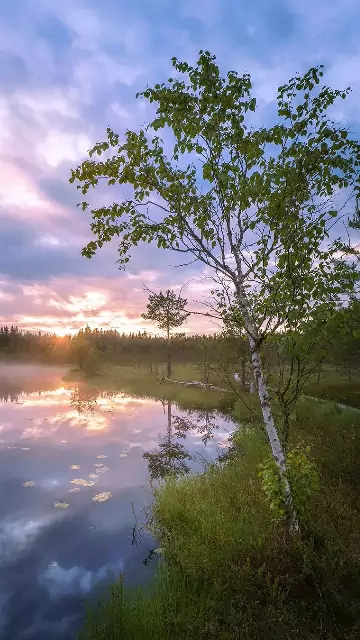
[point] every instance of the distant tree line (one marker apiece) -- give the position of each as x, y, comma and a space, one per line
224, 351
109, 345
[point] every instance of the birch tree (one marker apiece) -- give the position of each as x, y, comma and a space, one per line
256, 206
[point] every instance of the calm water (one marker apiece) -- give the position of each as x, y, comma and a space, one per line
72, 475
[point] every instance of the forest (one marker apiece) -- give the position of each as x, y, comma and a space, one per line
336, 347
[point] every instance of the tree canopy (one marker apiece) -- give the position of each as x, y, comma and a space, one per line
234, 196
259, 206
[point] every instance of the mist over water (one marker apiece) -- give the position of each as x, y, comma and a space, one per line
72, 473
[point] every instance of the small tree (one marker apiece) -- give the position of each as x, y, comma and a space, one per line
256, 206
168, 310
299, 354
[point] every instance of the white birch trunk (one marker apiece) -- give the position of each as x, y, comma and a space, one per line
264, 397
275, 445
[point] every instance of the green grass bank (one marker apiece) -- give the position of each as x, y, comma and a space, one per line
333, 385
142, 382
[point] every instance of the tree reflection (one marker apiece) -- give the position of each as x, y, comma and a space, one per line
9, 396
84, 400
203, 422
171, 458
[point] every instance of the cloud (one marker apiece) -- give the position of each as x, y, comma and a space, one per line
67, 70
30, 253
63, 306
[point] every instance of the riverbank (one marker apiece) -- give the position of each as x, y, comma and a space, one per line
332, 387
142, 382
229, 570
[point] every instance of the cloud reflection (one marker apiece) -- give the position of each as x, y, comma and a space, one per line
17, 534
63, 581
68, 407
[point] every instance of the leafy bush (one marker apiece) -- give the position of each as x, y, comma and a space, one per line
303, 479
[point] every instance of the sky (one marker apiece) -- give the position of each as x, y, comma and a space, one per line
68, 70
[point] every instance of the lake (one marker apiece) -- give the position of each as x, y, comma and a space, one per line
74, 483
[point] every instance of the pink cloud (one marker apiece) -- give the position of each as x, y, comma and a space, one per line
63, 305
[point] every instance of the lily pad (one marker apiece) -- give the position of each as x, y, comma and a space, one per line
102, 497
61, 505
83, 483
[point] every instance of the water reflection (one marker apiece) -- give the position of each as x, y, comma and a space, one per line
73, 464
171, 457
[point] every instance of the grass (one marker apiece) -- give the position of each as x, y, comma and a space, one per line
333, 386
230, 572
337, 388
141, 382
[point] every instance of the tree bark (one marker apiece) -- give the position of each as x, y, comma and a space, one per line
275, 445
168, 369
264, 397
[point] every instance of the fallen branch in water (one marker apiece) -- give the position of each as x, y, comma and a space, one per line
194, 383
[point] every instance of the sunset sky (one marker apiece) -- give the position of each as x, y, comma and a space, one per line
70, 68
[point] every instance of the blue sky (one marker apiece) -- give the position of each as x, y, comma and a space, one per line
69, 69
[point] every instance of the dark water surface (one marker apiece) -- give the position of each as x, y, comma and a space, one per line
72, 472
